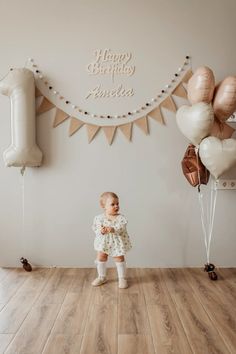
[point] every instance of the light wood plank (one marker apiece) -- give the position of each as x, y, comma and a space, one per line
135, 344
202, 334
36, 280
132, 312
73, 314
6, 271
14, 313
212, 298
81, 282
228, 275
132, 315
5, 340
57, 286
167, 331
20, 304
225, 285
107, 293
132, 318
134, 280
31, 337
100, 334
71, 319
11, 283
63, 344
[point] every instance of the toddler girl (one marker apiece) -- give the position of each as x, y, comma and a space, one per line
111, 239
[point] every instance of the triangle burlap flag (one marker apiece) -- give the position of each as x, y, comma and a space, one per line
37, 92
75, 124
110, 133
157, 115
127, 130
92, 131
59, 117
169, 104
180, 91
45, 106
142, 123
187, 76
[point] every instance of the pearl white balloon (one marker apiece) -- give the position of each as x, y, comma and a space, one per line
195, 121
217, 155
20, 87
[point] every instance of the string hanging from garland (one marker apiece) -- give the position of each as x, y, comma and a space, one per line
79, 117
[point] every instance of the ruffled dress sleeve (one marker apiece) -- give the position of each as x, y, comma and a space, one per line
97, 225
120, 225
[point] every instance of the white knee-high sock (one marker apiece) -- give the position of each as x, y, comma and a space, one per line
121, 269
101, 268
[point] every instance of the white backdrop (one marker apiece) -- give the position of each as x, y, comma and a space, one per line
61, 197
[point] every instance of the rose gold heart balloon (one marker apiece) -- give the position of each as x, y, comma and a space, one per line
201, 85
224, 103
221, 130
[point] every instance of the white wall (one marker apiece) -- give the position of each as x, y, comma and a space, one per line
61, 197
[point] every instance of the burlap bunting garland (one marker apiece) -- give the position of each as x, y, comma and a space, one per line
110, 131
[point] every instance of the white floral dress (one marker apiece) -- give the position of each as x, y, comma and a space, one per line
113, 244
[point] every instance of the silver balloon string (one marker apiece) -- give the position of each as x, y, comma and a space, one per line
208, 215
23, 211
212, 213
207, 218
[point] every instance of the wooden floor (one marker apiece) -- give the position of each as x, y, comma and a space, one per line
163, 311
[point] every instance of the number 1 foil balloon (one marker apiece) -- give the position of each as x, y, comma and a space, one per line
19, 85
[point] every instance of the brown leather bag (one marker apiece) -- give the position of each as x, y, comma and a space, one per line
191, 164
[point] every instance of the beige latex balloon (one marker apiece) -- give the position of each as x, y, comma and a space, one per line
195, 121
201, 85
19, 85
218, 156
224, 103
221, 130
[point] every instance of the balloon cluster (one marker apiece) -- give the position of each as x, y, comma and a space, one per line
203, 123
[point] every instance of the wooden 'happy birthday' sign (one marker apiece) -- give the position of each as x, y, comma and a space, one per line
113, 65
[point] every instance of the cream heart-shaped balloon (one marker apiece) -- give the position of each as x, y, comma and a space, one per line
195, 121
217, 155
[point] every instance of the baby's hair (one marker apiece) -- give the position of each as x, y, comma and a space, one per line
105, 196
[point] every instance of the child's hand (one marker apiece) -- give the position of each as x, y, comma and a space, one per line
110, 229
107, 230
103, 230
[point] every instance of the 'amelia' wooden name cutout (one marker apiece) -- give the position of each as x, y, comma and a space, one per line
112, 64
119, 91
